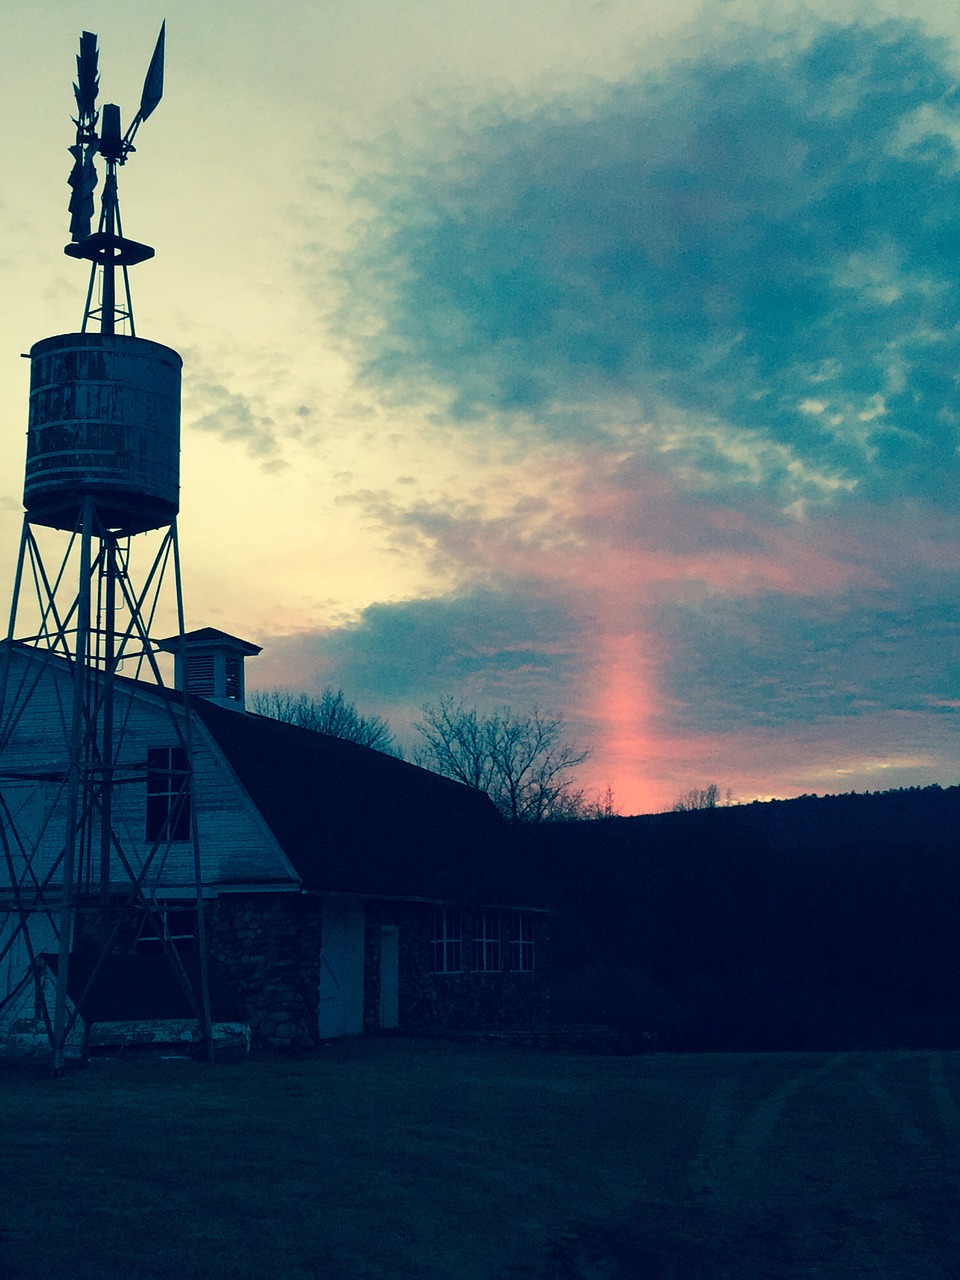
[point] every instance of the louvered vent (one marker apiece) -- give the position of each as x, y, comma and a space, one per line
201, 675
234, 669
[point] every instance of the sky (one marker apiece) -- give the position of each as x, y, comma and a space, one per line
587, 356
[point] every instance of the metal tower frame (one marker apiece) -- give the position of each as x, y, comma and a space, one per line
83, 620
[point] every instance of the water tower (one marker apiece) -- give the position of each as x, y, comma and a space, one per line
98, 571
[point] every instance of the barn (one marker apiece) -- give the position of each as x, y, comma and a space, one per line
344, 890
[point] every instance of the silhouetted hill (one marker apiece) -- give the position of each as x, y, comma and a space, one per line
816, 922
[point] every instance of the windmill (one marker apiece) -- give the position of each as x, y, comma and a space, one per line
98, 568
107, 249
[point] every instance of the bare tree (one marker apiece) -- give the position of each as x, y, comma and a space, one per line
521, 761
702, 798
603, 805
330, 713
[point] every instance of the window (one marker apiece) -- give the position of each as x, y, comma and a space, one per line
447, 942
168, 795
179, 927
486, 942
521, 944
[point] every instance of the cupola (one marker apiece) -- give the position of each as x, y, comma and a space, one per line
209, 664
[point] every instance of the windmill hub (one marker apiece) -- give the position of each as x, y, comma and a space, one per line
102, 249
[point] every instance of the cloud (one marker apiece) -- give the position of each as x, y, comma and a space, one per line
489, 646
693, 340
746, 261
665, 614
593, 528
778, 661
232, 416
250, 394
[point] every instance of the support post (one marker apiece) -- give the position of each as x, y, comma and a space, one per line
75, 790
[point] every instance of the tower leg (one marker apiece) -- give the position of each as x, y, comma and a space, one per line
98, 869
206, 1020
77, 775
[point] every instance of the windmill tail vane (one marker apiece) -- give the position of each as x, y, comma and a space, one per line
153, 83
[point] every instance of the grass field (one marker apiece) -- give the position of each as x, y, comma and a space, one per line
417, 1159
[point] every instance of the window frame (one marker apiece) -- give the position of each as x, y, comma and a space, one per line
447, 940
149, 942
486, 943
169, 800
521, 946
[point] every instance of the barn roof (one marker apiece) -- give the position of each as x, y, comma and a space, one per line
355, 820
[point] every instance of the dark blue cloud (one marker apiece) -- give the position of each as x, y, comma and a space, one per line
490, 647
759, 250
777, 661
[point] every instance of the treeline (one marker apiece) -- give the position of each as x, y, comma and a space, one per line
815, 923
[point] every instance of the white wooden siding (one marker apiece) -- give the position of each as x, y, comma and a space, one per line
237, 848
15, 964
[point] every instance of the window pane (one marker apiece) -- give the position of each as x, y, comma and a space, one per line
486, 942
178, 926
157, 807
521, 944
447, 941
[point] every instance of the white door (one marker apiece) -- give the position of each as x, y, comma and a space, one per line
341, 967
389, 977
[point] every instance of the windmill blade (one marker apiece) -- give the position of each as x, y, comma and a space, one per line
83, 175
82, 182
153, 84
88, 80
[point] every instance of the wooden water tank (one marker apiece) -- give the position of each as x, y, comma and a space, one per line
104, 424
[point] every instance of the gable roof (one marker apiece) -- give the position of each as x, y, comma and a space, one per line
354, 820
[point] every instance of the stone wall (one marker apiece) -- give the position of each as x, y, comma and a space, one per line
455, 1001
268, 947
